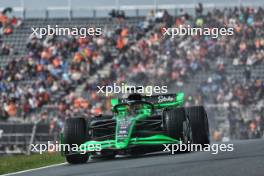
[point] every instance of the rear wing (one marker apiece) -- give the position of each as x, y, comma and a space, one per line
159, 101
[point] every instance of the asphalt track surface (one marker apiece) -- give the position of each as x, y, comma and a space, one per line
247, 159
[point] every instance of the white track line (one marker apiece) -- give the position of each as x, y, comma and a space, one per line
29, 170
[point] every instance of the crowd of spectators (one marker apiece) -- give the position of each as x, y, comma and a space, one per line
54, 67
46, 78
157, 60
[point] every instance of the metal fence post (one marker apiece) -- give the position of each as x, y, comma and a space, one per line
94, 13
137, 12
33, 134
175, 12
24, 13
70, 14
46, 13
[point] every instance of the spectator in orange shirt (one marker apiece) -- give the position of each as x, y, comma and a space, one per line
11, 109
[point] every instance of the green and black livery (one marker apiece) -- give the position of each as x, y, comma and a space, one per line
138, 125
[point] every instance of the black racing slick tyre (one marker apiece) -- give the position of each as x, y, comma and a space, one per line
199, 125
173, 122
75, 133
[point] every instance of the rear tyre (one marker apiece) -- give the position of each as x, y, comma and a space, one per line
75, 133
199, 125
173, 122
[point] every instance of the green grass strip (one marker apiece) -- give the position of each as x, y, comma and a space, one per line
16, 163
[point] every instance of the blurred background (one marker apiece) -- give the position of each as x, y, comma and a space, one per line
44, 81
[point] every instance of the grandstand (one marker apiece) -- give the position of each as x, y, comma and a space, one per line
223, 74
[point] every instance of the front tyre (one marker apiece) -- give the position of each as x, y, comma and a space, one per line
75, 133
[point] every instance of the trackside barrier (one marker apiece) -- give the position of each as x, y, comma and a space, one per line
16, 138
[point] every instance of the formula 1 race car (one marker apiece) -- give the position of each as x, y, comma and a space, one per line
139, 125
